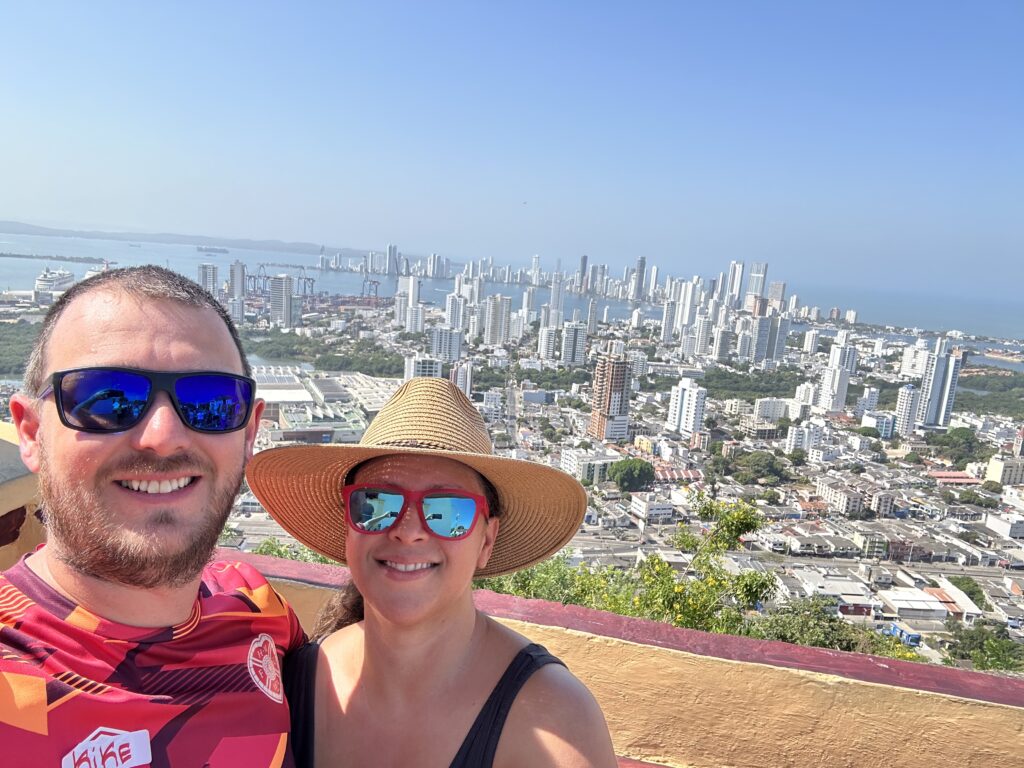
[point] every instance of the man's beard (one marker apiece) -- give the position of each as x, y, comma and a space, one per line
91, 543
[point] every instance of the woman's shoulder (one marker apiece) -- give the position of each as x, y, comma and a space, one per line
555, 720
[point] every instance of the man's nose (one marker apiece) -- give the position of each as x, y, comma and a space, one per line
161, 430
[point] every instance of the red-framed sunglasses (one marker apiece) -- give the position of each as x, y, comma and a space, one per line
447, 513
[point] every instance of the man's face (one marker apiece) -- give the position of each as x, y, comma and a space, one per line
142, 507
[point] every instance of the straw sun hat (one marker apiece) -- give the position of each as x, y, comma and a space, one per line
541, 507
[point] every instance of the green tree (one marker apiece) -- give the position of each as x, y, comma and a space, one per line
814, 621
296, 551
631, 474
16, 340
913, 458
972, 589
798, 457
988, 646
992, 486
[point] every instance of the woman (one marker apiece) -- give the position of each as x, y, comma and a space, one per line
415, 675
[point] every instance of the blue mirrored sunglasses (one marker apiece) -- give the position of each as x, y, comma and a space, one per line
104, 400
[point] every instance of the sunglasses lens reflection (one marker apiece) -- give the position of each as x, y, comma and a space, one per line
101, 400
373, 510
112, 400
212, 403
449, 516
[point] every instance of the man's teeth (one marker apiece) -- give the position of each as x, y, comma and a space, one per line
156, 486
407, 567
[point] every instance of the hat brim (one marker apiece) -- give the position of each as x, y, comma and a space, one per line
300, 486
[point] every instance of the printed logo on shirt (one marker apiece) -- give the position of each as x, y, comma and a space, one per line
110, 748
265, 669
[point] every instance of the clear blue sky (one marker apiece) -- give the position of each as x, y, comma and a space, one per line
883, 138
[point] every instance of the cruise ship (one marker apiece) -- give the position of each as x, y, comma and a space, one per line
54, 280
97, 270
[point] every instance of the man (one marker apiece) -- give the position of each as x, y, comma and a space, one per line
119, 644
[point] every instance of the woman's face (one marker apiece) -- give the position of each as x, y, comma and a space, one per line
406, 574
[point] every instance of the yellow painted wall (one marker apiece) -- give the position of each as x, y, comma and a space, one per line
684, 710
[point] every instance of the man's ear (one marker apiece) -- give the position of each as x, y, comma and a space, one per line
490, 536
25, 413
253, 427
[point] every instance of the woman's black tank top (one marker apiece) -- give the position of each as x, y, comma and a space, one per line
480, 744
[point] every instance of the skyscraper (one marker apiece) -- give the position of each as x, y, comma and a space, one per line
208, 277
735, 287
938, 386
461, 375
547, 339
557, 316
609, 399
391, 265
281, 290
236, 286
686, 408
574, 344
446, 343
668, 319
758, 275
834, 385
907, 401
640, 275
497, 315
581, 276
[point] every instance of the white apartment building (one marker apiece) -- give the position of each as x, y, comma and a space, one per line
574, 344
416, 365
547, 339
804, 437
686, 408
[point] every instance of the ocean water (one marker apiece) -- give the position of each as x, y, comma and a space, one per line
972, 310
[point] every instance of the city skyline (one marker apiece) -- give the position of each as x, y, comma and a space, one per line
875, 137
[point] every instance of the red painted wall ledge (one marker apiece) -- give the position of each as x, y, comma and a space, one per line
855, 666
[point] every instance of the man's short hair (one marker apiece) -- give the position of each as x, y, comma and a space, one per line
145, 282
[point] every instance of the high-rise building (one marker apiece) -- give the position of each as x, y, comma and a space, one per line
735, 288
547, 341
208, 277
907, 400
636, 292
938, 386
557, 315
281, 290
758, 276
668, 319
391, 265
722, 344
530, 300
446, 343
702, 333
834, 385
609, 399
777, 292
415, 318
236, 286
455, 310
581, 276
461, 375
811, 341
574, 344
497, 316
420, 365
686, 408
535, 270
592, 316
843, 356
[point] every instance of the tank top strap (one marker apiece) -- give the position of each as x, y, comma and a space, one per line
481, 743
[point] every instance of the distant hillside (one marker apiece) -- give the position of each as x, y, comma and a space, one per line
17, 228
